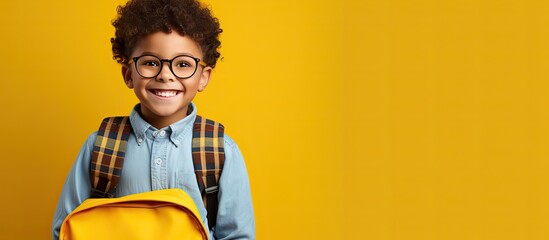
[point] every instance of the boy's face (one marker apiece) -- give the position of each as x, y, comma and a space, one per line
166, 97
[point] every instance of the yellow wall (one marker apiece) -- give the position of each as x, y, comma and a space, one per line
375, 119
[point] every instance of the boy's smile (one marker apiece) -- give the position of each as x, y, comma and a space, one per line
165, 93
165, 98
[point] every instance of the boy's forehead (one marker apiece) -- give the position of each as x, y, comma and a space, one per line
167, 45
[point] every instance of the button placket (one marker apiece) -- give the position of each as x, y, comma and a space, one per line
158, 162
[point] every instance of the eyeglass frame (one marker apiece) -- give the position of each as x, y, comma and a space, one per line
162, 61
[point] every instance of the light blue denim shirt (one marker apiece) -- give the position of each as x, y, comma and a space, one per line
160, 159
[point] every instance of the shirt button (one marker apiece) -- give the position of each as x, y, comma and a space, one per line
162, 133
140, 140
158, 161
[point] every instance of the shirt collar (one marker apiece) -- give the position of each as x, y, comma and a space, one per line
178, 129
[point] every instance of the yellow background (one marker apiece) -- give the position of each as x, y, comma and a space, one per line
375, 119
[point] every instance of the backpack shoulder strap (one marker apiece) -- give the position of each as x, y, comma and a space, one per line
208, 159
108, 155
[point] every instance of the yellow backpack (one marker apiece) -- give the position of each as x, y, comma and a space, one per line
162, 214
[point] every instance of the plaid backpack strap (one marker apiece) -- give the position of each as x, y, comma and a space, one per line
208, 158
108, 155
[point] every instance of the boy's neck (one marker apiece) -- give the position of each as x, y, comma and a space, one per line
160, 122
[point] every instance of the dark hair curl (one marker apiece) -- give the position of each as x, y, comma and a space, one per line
139, 18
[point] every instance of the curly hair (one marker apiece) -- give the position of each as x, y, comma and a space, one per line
139, 18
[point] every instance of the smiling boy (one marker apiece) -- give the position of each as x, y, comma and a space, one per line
167, 49
165, 93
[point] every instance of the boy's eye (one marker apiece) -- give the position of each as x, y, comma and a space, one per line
182, 64
150, 63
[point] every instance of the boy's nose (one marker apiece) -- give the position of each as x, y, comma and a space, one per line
165, 74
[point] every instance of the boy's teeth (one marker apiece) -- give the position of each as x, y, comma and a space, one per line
165, 93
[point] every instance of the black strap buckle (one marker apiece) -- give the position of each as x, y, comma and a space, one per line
212, 189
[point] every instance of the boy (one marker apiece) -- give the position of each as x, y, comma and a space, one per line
167, 49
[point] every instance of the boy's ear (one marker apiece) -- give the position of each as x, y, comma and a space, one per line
204, 78
127, 75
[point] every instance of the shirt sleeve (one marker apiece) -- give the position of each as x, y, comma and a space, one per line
77, 186
235, 215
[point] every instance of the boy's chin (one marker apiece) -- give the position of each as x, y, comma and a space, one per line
165, 111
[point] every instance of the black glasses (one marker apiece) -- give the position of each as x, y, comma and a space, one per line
182, 66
